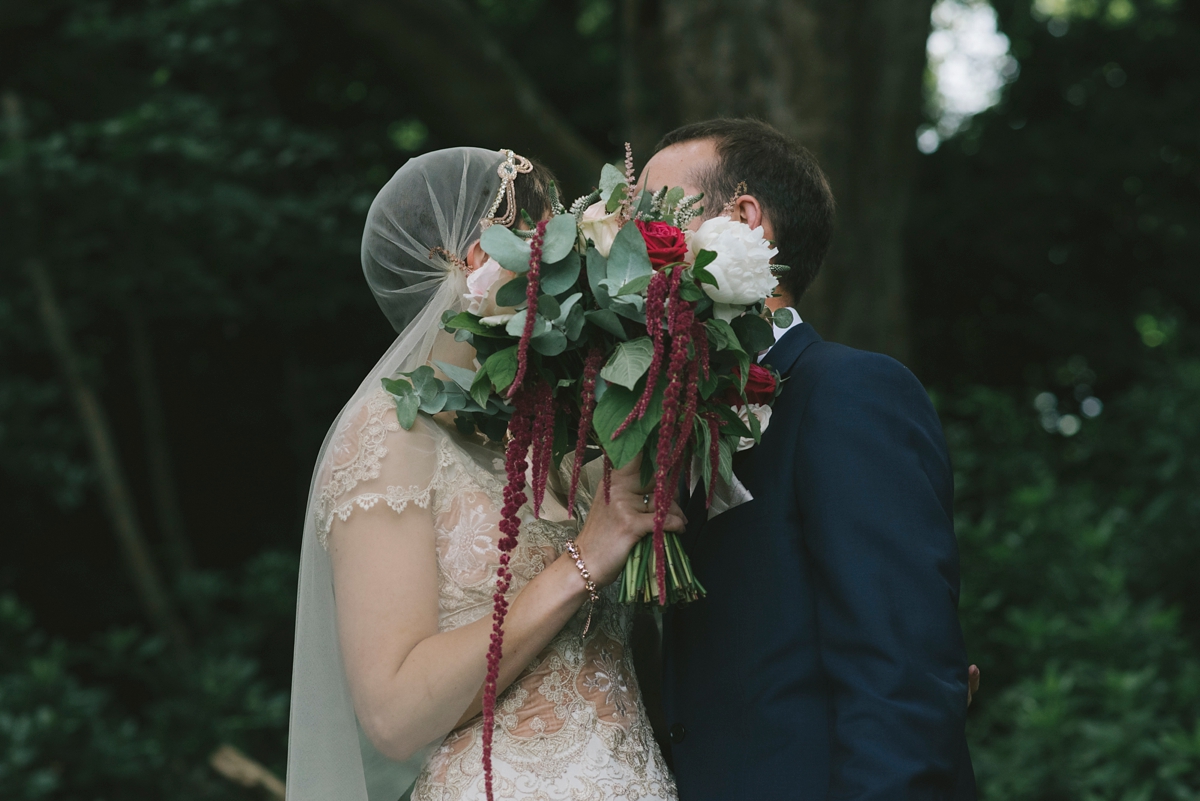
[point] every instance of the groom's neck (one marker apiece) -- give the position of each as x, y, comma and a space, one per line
781, 301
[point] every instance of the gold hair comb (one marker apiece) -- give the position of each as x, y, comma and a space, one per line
512, 166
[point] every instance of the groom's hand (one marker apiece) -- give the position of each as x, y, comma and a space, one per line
615, 526
972, 683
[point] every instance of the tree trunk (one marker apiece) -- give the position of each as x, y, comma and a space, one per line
158, 456
147, 580
117, 497
843, 77
476, 88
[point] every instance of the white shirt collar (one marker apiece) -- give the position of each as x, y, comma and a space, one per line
779, 332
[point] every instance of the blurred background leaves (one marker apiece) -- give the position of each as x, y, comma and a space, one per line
1018, 222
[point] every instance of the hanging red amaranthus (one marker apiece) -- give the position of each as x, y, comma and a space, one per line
656, 299
587, 406
680, 317
531, 297
520, 429
543, 444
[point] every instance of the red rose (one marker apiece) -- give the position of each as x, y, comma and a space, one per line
760, 387
664, 243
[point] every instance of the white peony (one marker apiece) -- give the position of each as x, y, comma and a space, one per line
480, 283
743, 264
600, 226
759, 410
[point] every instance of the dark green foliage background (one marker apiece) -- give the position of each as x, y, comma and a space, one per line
209, 163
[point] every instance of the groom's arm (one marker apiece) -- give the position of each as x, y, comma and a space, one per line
875, 491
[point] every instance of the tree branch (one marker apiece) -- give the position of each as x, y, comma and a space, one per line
481, 95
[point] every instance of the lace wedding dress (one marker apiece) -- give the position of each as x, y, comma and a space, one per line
572, 726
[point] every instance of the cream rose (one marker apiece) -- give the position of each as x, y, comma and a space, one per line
743, 264
600, 226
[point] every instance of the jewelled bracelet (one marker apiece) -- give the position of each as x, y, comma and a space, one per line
593, 591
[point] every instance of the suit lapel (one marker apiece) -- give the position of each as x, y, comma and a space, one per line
785, 353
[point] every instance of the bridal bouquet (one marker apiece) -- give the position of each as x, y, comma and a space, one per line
619, 334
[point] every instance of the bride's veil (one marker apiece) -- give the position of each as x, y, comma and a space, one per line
435, 201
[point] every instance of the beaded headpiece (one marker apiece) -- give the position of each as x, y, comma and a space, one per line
512, 166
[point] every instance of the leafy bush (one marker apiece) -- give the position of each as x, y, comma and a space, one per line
119, 718
1070, 547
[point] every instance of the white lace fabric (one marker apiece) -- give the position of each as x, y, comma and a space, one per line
572, 725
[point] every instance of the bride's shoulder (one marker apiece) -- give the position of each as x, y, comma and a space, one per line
368, 430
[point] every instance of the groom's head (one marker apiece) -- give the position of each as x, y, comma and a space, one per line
785, 191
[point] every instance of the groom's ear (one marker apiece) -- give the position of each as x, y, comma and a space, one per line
747, 209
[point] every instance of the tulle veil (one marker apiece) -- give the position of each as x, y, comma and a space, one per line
435, 201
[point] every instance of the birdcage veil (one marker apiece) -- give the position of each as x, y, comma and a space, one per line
418, 231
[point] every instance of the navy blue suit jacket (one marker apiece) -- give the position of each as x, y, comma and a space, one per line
827, 660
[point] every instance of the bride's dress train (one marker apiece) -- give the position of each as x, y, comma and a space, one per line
573, 725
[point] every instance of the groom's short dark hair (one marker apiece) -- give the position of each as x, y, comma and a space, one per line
787, 181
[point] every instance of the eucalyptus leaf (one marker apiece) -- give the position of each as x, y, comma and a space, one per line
614, 200
610, 179
561, 276
607, 320
434, 404
559, 239
512, 293
631, 307
627, 259
551, 343
567, 305
782, 318
408, 403
548, 307
459, 375
674, 195
636, 286
506, 247
573, 326
425, 383
456, 398
629, 362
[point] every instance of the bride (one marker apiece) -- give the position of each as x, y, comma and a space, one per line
399, 559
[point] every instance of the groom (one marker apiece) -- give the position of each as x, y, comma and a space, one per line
827, 660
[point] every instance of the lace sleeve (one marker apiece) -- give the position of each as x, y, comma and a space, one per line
372, 460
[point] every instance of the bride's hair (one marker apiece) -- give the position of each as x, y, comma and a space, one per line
531, 191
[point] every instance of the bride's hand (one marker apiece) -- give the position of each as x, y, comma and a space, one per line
613, 528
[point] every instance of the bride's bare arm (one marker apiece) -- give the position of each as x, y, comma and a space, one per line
412, 684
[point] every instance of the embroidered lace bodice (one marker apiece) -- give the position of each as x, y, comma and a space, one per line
572, 726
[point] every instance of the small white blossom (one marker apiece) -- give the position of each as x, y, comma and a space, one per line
743, 264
